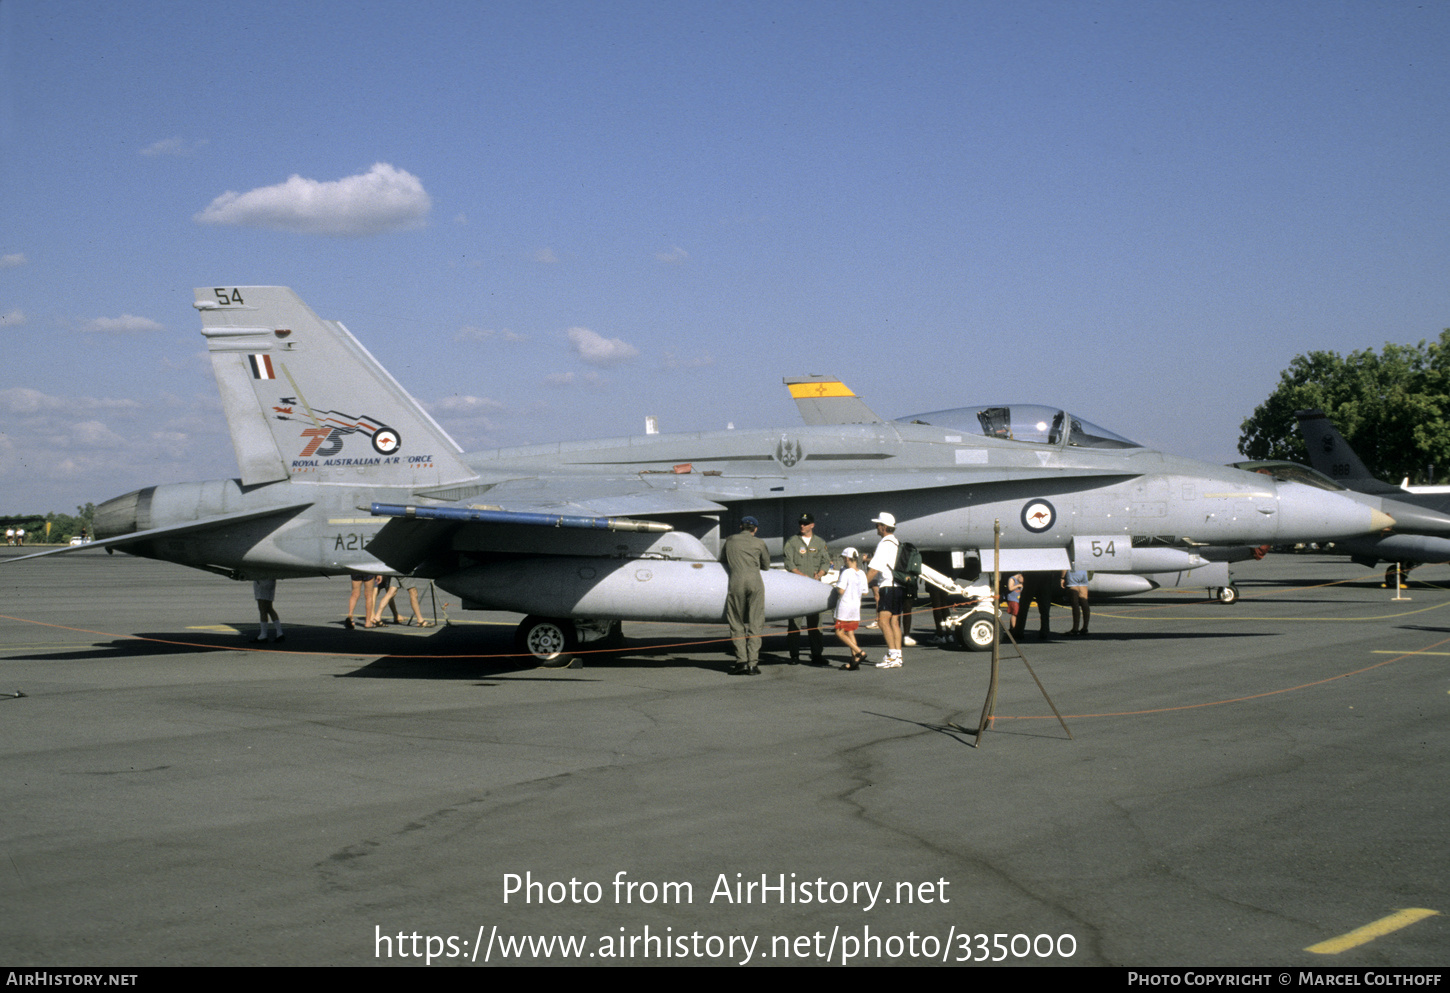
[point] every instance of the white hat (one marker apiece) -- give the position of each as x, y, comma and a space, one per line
850, 553
885, 518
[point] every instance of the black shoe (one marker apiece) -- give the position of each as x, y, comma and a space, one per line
753, 671
819, 660
740, 669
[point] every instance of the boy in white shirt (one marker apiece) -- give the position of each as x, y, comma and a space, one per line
850, 587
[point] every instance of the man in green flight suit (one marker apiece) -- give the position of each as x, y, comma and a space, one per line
806, 555
745, 557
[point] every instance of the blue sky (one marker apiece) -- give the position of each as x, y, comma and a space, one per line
549, 220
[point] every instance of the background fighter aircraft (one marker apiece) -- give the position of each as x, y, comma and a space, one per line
1420, 517
341, 470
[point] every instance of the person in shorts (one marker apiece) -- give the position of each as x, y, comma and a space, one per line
850, 587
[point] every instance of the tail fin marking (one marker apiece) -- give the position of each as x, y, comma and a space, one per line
305, 400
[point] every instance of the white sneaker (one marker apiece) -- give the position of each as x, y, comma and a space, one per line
890, 662
908, 641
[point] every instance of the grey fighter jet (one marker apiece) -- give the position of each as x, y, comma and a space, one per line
1421, 531
342, 470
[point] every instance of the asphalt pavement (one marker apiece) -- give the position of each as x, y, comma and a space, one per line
1242, 783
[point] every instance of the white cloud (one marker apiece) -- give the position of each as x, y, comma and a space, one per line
93, 434
598, 350
12, 260
673, 360
465, 406
63, 450
546, 255
23, 401
470, 333
173, 146
380, 200
12, 319
570, 378
124, 323
675, 256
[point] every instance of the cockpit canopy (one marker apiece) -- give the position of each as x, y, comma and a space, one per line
1291, 472
1027, 422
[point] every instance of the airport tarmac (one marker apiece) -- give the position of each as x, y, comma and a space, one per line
1242, 783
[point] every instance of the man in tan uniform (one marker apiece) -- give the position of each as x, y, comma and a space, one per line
745, 557
806, 555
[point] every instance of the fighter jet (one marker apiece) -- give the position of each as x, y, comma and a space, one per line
827, 400
1421, 531
341, 470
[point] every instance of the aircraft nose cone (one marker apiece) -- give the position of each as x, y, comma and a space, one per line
1310, 514
1410, 519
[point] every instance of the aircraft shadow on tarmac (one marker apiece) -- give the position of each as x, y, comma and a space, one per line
467, 652
1427, 628
471, 653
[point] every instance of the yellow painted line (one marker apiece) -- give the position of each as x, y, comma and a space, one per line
813, 390
1377, 929
1385, 651
1145, 614
223, 628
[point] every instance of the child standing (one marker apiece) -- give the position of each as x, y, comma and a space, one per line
849, 589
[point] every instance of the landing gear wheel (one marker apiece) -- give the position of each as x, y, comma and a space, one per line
547, 639
1228, 594
977, 632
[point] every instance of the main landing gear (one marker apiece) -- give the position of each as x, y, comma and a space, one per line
552, 641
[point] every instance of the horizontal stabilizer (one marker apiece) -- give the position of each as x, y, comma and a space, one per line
190, 527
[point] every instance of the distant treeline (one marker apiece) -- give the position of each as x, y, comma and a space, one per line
1392, 406
62, 527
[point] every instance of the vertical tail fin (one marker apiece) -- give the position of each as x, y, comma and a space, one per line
1331, 454
827, 400
305, 401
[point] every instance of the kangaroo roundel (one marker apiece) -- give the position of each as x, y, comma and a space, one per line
1038, 516
386, 441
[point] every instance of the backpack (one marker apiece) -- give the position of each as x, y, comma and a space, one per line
908, 564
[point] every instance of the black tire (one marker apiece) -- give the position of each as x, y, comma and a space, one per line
1228, 594
978, 632
546, 639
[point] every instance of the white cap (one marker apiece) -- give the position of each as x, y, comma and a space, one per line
885, 518
850, 553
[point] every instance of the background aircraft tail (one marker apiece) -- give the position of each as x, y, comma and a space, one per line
305, 401
1331, 454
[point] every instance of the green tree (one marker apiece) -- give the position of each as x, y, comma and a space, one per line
1391, 406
